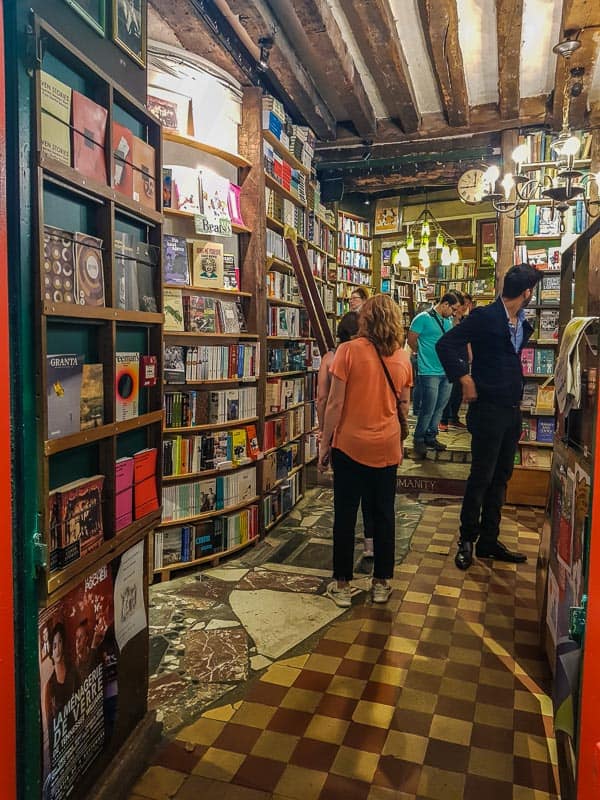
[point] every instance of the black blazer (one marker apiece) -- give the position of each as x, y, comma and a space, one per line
496, 368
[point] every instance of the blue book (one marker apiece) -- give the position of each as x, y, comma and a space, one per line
545, 430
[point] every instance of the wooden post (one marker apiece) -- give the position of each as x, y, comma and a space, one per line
506, 226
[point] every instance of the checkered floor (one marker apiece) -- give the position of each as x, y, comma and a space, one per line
441, 694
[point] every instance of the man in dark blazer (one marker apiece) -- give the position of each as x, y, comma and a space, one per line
496, 333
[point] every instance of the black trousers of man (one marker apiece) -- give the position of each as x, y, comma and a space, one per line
495, 431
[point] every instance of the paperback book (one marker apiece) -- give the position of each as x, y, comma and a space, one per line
127, 386
231, 274
174, 364
64, 375
79, 518
176, 263
200, 314
548, 325
89, 132
55, 117
207, 264
89, 272
144, 481
173, 310
144, 173
123, 492
146, 264
92, 397
185, 186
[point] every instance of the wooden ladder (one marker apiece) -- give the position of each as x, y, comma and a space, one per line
310, 294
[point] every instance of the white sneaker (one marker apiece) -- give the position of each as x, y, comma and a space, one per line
381, 592
340, 594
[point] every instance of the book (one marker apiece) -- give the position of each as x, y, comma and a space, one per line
53, 530
144, 173
529, 395
528, 429
548, 325
144, 482
527, 360
176, 263
91, 402
545, 430
200, 317
238, 446
148, 371
167, 187
531, 316
185, 186
215, 191
231, 274
554, 258
544, 401
228, 316
207, 260
127, 386
173, 310
55, 118
123, 492
64, 374
234, 205
174, 364
58, 266
80, 518
252, 447
89, 272
538, 258
146, 263
126, 286
544, 361
89, 132
164, 110
549, 289
548, 221
171, 108
122, 168
539, 457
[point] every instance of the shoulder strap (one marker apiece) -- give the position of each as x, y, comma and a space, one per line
387, 374
434, 316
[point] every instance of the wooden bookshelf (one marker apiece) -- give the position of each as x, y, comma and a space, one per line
187, 141
213, 559
173, 523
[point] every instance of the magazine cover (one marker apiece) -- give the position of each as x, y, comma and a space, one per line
80, 518
58, 266
127, 295
92, 397
127, 386
89, 131
122, 169
144, 173
64, 374
78, 663
89, 273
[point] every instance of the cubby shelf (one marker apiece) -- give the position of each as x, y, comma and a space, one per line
53, 446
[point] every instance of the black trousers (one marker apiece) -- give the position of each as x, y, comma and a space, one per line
495, 431
376, 487
451, 411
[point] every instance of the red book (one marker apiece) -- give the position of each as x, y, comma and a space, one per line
80, 515
122, 165
144, 482
148, 370
89, 133
144, 173
123, 493
252, 447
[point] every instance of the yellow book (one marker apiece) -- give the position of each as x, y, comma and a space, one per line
55, 116
238, 445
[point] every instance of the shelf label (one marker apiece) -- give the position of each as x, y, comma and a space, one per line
220, 227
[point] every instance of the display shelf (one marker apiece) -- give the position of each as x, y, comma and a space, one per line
272, 524
283, 444
195, 335
213, 558
208, 473
174, 212
535, 444
286, 374
231, 158
329, 225
215, 426
276, 263
288, 303
275, 223
291, 339
537, 237
277, 187
173, 523
204, 290
53, 446
272, 414
225, 381
282, 150
353, 250
99, 313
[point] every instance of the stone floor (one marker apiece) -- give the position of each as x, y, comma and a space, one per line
441, 694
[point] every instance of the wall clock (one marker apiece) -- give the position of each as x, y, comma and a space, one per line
470, 186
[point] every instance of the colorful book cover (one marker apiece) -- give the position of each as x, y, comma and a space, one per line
80, 513
173, 310
89, 271
176, 262
127, 386
64, 375
545, 430
89, 133
123, 492
174, 364
55, 118
548, 325
527, 360
545, 398
207, 259
544, 361
145, 493
215, 192
201, 317
238, 445
92, 396
550, 289
165, 111
554, 258
528, 429
148, 371
122, 165
167, 187
234, 205
252, 447
58, 266
144, 173
172, 109
185, 185
231, 274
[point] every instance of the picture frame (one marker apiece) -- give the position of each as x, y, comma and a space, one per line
129, 20
486, 238
92, 11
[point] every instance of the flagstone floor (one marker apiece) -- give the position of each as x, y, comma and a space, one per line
267, 690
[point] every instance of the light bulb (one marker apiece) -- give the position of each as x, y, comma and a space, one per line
490, 177
410, 242
571, 146
520, 155
424, 258
507, 184
404, 258
445, 257
439, 241
425, 229
454, 256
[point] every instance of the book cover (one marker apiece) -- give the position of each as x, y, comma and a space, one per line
92, 396
530, 393
175, 258
123, 492
172, 552
64, 374
80, 515
531, 316
538, 258
228, 316
167, 187
548, 222
148, 371
174, 364
536, 457
54, 532
185, 186
234, 205
544, 361
146, 263
164, 110
232, 404
144, 173
208, 495
252, 447
122, 168
231, 274
554, 258
172, 109
58, 266
238, 445
545, 430
89, 132
241, 316
550, 289
126, 287
127, 386
527, 360
203, 540
548, 325
528, 429
215, 191
89, 272
144, 479
207, 259
55, 118
545, 399
173, 310
201, 317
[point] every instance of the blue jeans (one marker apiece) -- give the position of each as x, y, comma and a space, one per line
435, 393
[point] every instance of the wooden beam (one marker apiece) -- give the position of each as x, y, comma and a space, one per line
509, 22
408, 176
376, 34
577, 16
337, 67
440, 27
258, 21
506, 226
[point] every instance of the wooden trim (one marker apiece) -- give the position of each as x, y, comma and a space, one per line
203, 290
100, 313
53, 446
232, 423
509, 22
208, 514
179, 138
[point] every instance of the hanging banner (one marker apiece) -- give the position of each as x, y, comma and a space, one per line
388, 216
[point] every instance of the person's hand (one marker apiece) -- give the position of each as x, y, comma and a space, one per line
469, 390
324, 457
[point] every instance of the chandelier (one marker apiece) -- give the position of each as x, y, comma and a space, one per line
557, 184
427, 236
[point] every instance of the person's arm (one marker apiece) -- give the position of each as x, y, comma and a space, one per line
413, 340
323, 385
333, 413
451, 349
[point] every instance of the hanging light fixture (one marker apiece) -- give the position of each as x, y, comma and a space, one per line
432, 241
559, 183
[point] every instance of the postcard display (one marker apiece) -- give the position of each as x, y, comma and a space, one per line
100, 310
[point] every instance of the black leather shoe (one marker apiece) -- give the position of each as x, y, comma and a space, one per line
499, 552
464, 558
435, 444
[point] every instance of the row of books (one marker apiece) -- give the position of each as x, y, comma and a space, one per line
183, 500
294, 357
539, 145
545, 322
348, 258
542, 258
537, 429
538, 399
281, 286
298, 140
198, 314
320, 234
73, 132
199, 264
284, 321
291, 179
537, 360
209, 537
202, 192
318, 263
186, 455
354, 226
541, 221
547, 290
350, 241
278, 465
281, 500
327, 295
211, 362
187, 409
282, 429
353, 276
465, 270
281, 393
276, 247
311, 447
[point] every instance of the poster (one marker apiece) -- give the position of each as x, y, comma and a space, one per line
130, 611
388, 216
78, 659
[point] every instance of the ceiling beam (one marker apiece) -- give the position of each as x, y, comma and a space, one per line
440, 26
376, 34
408, 176
336, 65
257, 19
509, 23
578, 15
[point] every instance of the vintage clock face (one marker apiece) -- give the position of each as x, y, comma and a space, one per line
470, 186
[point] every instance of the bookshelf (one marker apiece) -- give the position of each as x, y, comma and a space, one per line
354, 258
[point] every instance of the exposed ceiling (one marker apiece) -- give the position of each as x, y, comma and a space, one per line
401, 92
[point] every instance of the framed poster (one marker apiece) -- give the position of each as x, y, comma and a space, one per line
487, 251
388, 216
92, 11
129, 28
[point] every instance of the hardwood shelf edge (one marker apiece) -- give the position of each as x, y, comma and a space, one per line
208, 514
212, 427
180, 138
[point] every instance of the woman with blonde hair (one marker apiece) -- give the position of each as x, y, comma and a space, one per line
363, 440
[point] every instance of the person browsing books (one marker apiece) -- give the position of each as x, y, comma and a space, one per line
450, 417
363, 441
358, 296
425, 331
496, 334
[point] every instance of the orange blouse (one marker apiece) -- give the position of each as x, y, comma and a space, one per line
369, 431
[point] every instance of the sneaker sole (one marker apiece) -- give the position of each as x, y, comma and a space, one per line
338, 600
381, 600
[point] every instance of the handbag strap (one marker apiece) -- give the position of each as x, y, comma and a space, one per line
387, 375
434, 316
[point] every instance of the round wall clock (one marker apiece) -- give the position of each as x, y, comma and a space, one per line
470, 186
